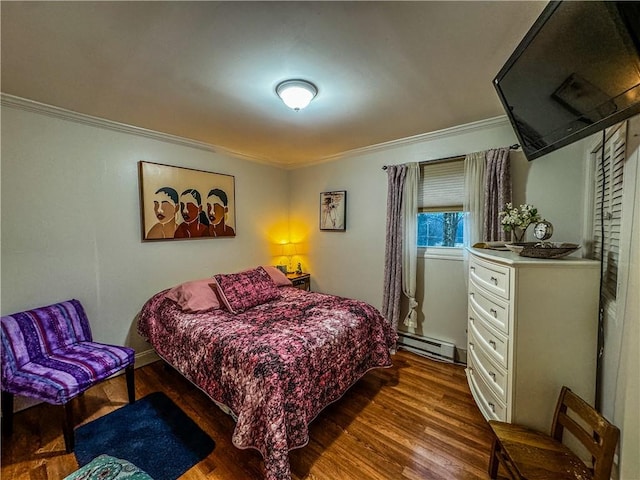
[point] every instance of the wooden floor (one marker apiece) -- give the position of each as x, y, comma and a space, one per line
416, 420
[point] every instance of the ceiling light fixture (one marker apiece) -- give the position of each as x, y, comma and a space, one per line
296, 94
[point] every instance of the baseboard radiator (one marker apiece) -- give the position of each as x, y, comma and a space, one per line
429, 347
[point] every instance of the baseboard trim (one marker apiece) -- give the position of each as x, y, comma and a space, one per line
145, 358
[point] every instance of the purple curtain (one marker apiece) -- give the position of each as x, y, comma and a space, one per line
497, 192
393, 252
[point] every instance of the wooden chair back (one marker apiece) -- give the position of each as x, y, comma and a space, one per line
600, 439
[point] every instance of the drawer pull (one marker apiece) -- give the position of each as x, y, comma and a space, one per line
492, 407
494, 312
493, 344
471, 345
494, 280
493, 376
473, 269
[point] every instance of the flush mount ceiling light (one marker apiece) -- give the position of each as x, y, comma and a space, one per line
296, 94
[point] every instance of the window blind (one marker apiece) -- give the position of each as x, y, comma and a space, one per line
441, 185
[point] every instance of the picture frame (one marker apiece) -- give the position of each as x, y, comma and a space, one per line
178, 203
333, 211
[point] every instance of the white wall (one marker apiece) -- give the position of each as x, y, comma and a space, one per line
555, 183
71, 220
441, 313
352, 263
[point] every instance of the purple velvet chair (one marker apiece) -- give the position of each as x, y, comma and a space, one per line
48, 354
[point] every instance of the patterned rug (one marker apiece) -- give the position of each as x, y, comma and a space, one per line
105, 467
153, 434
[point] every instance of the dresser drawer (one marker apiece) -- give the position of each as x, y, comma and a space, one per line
490, 406
494, 376
494, 278
495, 346
493, 310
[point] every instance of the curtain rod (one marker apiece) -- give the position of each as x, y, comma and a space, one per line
515, 146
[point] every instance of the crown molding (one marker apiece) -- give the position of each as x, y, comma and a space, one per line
62, 113
249, 158
20, 103
498, 121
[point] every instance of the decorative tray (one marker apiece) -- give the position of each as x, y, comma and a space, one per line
546, 249
516, 247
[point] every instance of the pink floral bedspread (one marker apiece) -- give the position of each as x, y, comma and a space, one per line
276, 366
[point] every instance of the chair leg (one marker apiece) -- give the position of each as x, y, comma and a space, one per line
493, 460
131, 383
67, 427
7, 413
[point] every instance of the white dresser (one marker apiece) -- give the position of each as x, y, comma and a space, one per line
532, 328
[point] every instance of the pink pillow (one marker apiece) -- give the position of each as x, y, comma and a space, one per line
244, 290
277, 276
195, 296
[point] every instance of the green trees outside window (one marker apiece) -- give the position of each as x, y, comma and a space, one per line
440, 229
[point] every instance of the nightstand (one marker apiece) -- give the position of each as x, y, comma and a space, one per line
300, 280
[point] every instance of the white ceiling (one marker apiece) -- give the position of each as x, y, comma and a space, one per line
208, 70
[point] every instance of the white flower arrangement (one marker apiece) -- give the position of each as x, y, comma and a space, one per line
517, 219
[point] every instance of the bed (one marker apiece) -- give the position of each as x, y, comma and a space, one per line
273, 356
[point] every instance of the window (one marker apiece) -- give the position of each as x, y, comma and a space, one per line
440, 197
440, 229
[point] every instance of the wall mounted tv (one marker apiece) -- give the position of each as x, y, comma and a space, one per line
576, 72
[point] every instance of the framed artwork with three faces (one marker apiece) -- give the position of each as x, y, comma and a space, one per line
179, 203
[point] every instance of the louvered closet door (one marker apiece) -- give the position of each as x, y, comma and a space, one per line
607, 220
608, 203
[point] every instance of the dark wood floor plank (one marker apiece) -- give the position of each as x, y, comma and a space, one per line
416, 420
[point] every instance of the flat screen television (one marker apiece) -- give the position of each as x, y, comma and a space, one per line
576, 72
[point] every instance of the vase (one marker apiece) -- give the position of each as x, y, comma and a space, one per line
518, 234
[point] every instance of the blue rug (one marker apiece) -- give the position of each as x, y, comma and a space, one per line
153, 434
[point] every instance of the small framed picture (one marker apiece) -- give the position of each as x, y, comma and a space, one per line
333, 211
